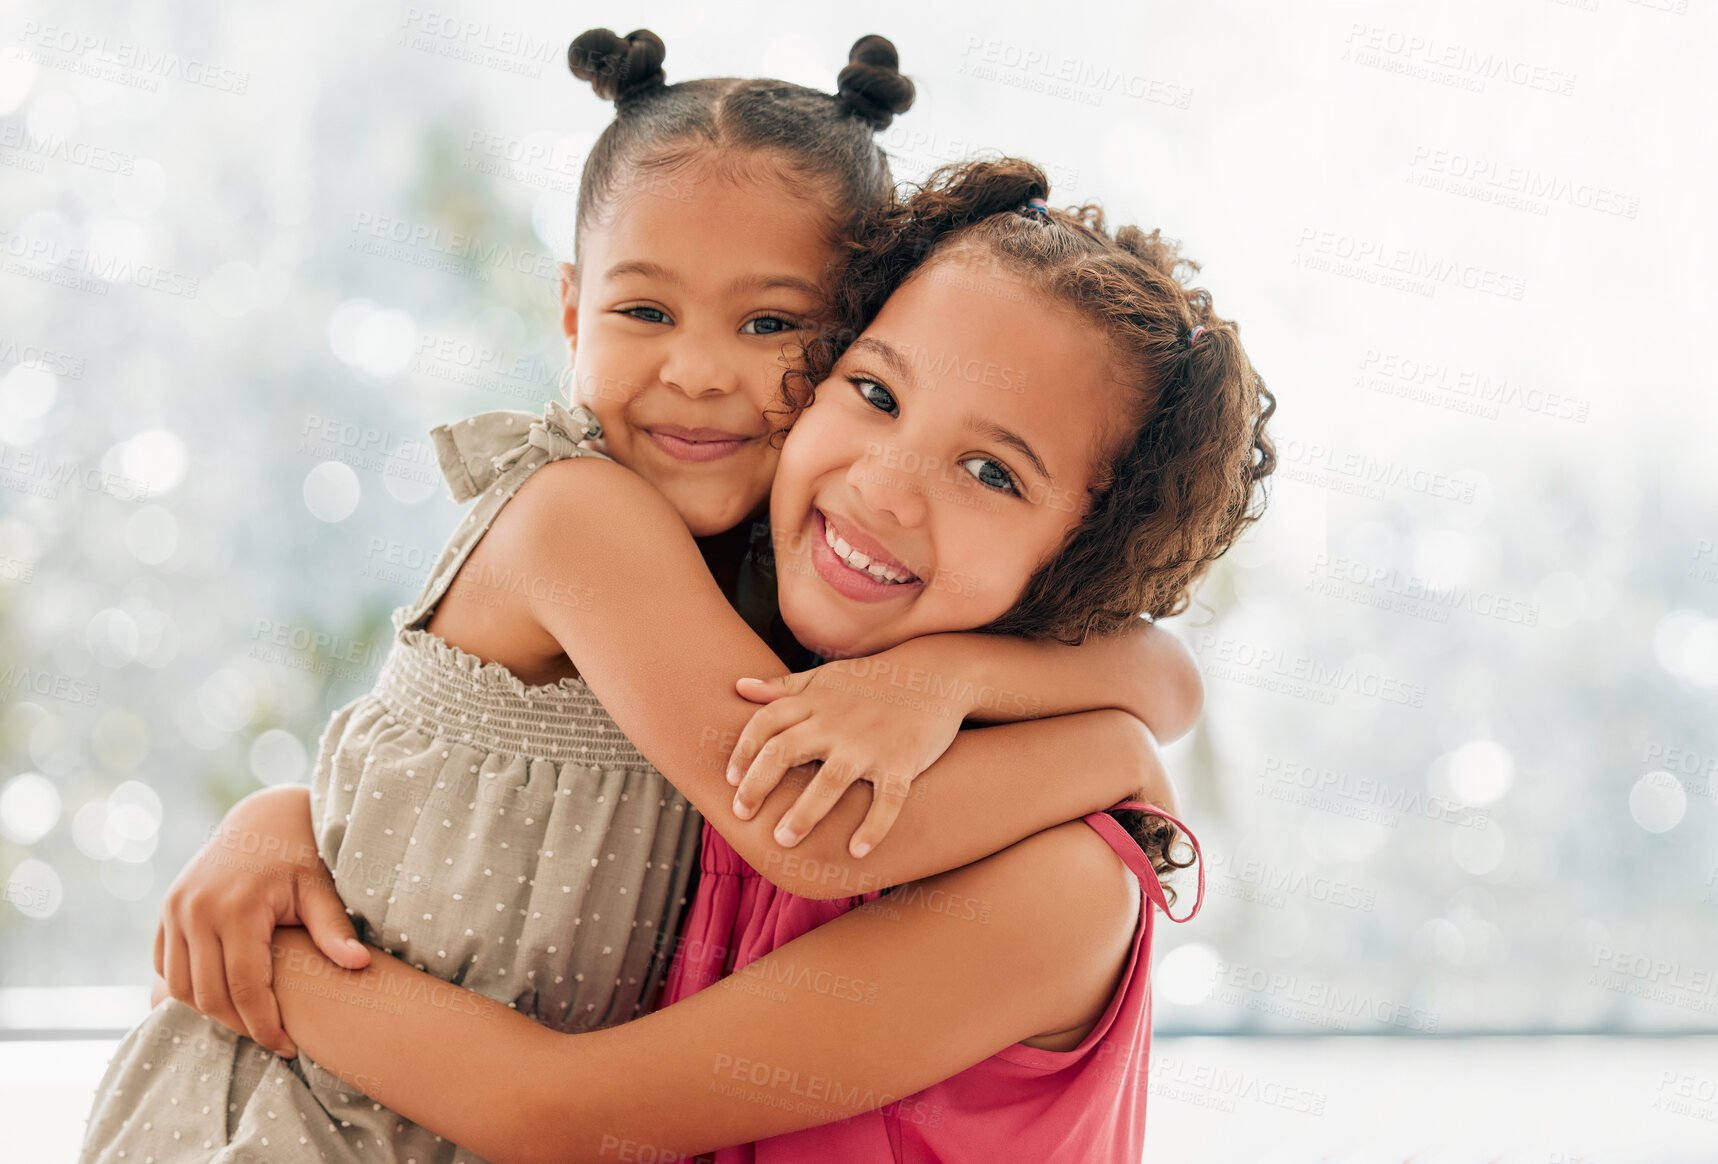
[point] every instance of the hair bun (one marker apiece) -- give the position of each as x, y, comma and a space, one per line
871, 87
618, 69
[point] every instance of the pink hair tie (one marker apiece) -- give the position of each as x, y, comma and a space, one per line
1193, 336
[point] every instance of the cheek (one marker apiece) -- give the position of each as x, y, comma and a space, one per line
984, 571
805, 453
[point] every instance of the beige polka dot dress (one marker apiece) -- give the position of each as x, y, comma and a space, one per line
503, 837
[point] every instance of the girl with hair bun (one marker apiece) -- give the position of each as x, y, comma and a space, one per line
514, 812
1000, 1010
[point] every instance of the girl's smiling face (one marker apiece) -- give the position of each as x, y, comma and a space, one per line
685, 299
944, 459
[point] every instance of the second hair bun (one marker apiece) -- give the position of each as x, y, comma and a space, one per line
871, 86
618, 67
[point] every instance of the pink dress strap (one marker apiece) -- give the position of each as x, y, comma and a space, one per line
1129, 851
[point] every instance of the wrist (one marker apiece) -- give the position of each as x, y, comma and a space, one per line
938, 667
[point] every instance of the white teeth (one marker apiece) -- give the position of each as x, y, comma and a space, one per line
862, 562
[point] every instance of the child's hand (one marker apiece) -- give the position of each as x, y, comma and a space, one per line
859, 724
260, 869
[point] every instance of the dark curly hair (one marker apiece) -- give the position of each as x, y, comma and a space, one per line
1180, 486
1172, 496
823, 138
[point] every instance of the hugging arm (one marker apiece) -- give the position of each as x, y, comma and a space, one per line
861, 1012
1142, 670
663, 649
888, 717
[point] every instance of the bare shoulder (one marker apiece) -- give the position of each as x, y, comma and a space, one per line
1062, 907
591, 503
593, 489
1067, 883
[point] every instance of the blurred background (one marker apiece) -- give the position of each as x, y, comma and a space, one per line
1457, 780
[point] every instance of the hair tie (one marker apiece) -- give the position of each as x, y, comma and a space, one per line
1036, 207
1193, 336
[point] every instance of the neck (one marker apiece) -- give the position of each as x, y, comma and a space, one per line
723, 553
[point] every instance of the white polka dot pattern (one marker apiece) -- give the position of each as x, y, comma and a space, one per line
502, 837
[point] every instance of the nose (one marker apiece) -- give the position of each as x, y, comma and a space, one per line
890, 479
698, 365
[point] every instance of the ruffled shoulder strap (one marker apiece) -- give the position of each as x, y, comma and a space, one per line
475, 451
487, 457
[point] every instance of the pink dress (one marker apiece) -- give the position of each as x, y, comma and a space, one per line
1022, 1103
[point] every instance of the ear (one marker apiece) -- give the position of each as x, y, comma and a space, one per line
570, 306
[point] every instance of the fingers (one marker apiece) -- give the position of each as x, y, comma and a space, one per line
176, 967
766, 722
321, 912
766, 690
209, 981
160, 936
887, 796
814, 803
250, 984
797, 745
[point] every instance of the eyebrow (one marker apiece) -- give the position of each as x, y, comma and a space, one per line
1007, 436
892, 356
889, 354
752, 282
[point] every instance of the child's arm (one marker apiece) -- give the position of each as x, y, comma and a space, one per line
1032, 942
887, 718
260, 869
1142, 670
662, 648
